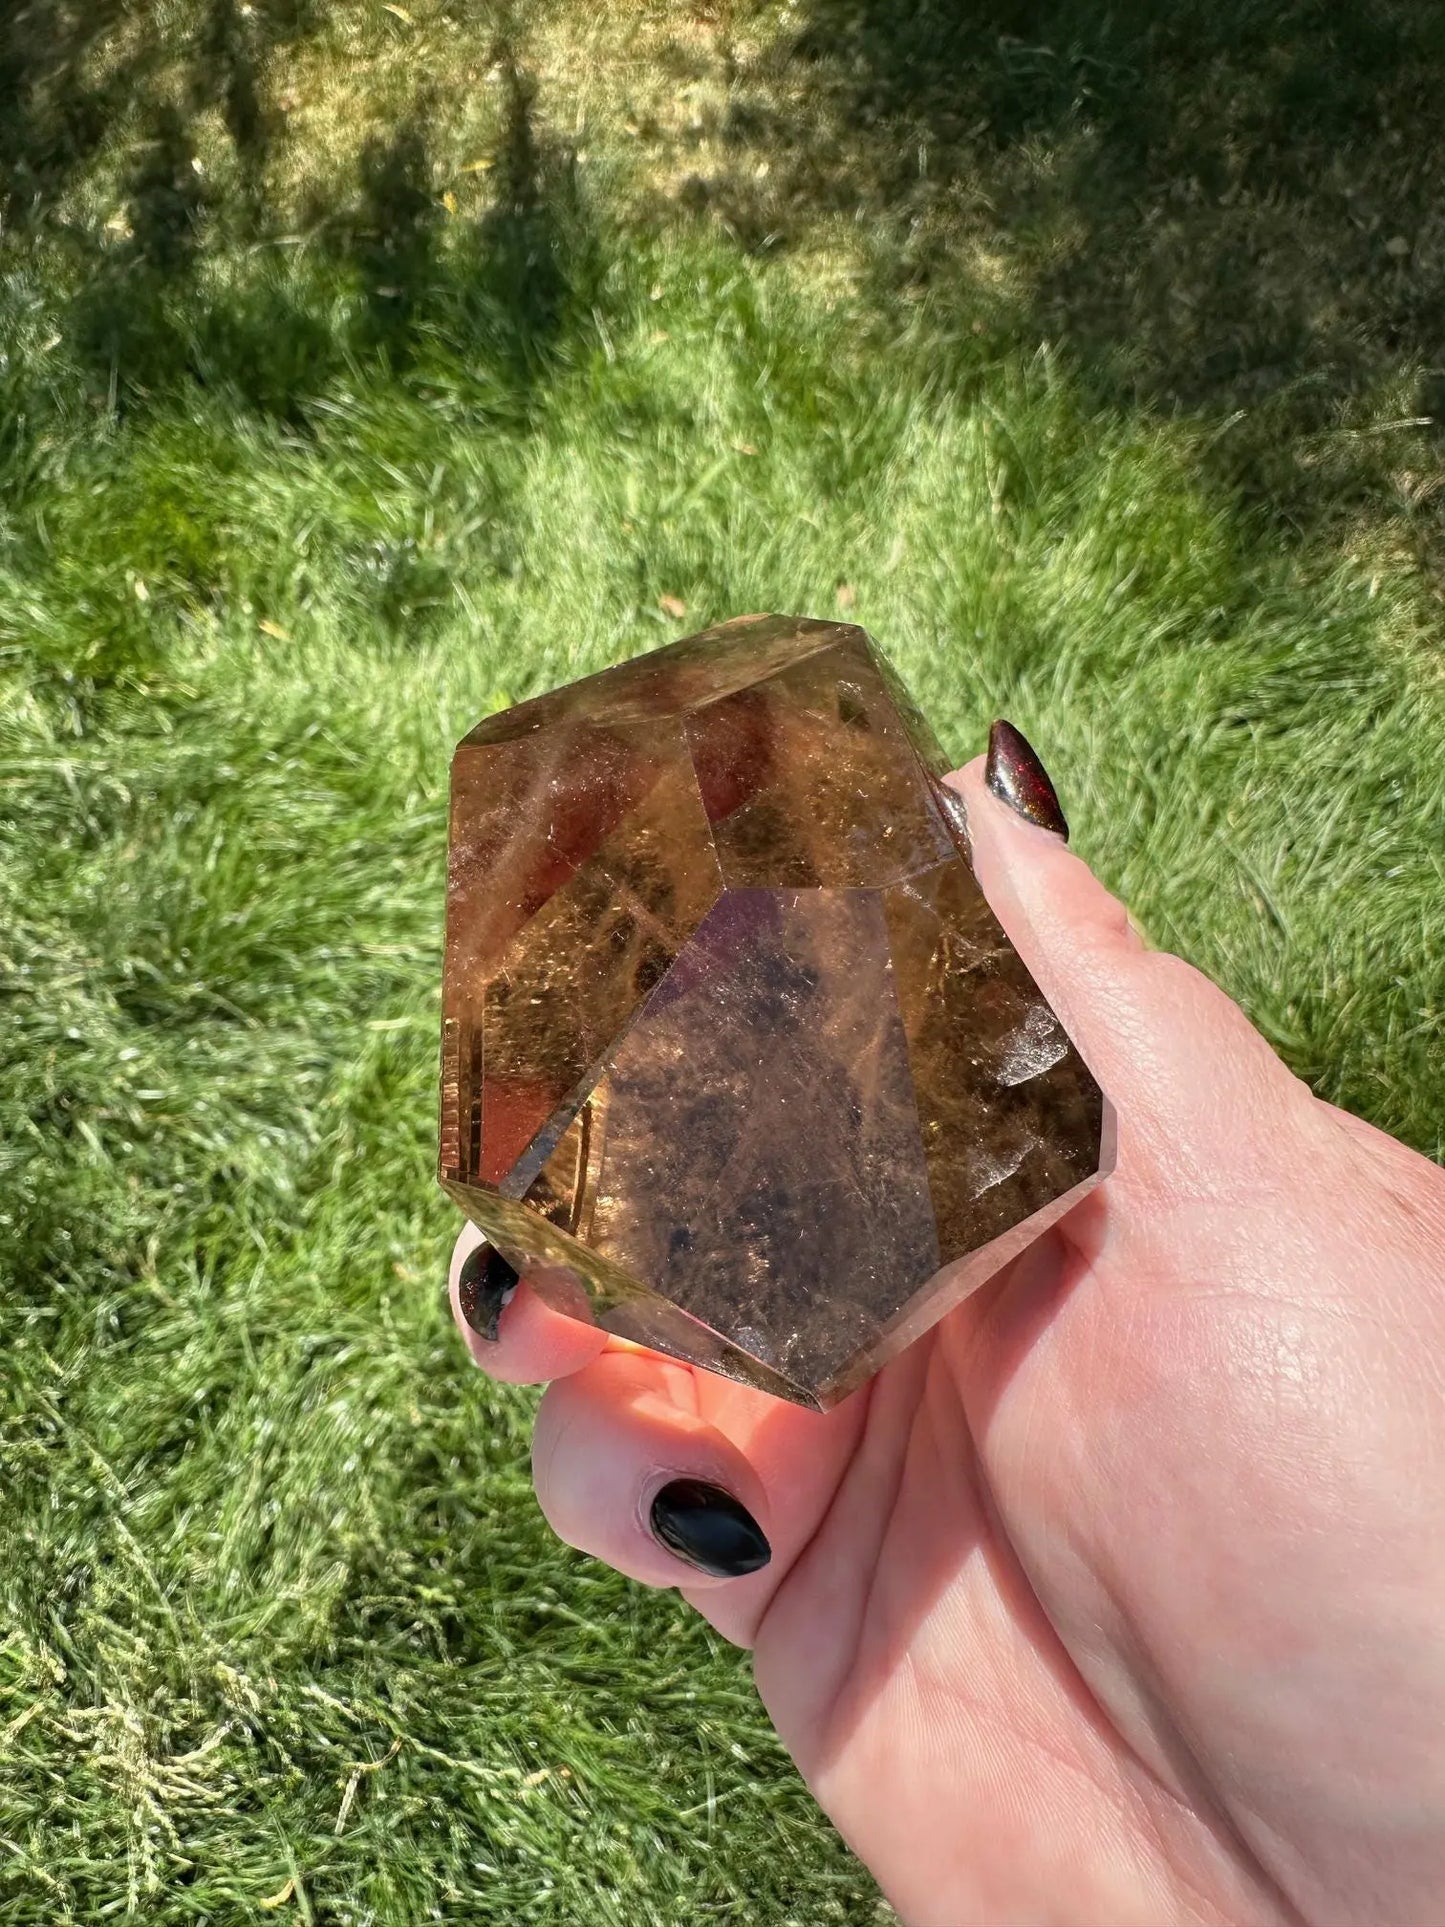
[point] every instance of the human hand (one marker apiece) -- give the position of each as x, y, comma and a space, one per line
1120, 1596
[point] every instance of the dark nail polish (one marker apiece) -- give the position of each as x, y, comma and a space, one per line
1016, 776
485, 1285
709, 1529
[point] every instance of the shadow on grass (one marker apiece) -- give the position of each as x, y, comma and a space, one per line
69, 74
1234, 212
375, 284
171, 281
509, 290
1235, 215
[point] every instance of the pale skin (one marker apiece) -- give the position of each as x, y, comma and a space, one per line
1119, 1599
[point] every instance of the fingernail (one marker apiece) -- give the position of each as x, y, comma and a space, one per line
484, 1285
709, 1528
1016, 776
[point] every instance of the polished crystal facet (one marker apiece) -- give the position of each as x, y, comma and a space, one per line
736, 1061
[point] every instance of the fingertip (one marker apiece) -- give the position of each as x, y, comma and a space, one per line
534, 1342
1153, 1030
956, 779
1074, 938
1043, 893
615, 1449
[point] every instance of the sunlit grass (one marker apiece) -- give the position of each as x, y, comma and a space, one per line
283, 515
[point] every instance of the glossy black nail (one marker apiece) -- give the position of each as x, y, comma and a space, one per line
485, 1284
1016, 776
709, 1528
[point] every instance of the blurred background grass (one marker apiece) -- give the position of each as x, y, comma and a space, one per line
368, 366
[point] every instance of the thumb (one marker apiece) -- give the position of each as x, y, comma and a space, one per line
1179, 1060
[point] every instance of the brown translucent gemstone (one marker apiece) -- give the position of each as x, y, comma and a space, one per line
736, 1061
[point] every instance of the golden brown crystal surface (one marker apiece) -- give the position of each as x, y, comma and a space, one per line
736, 1060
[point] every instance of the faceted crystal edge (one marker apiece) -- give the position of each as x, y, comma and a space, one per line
579, 1283
537, 712
919, 735
960, 1279
929, 756
916, 725
545, 1140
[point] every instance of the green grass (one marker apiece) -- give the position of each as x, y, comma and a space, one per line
357, 382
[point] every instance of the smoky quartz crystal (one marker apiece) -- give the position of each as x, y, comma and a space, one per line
736, 1061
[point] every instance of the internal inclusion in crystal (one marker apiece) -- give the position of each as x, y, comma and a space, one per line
736, 1061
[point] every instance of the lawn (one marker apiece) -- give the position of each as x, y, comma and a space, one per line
366, 367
